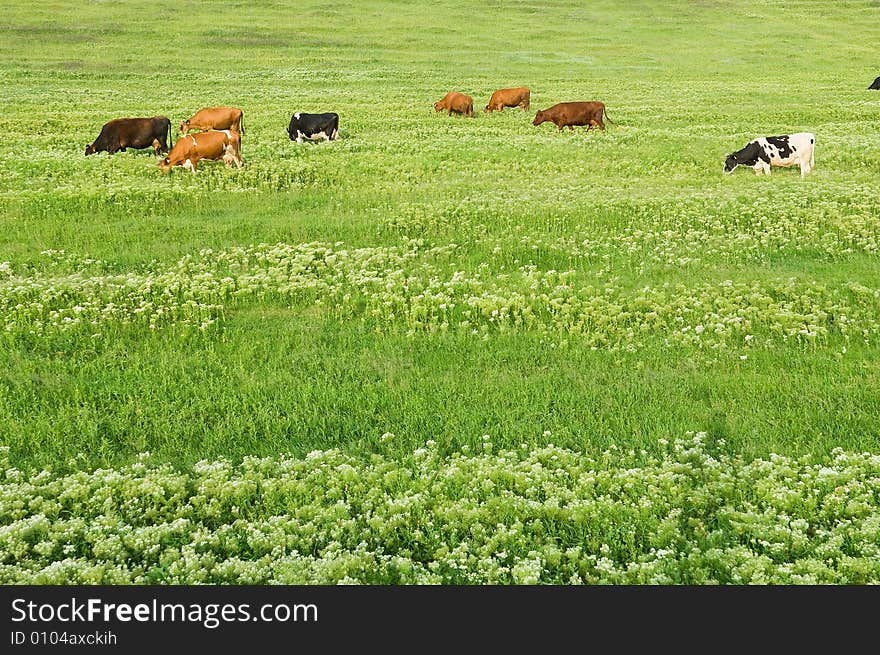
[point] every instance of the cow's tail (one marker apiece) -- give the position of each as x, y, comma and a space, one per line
168, 136
607, 117
241, 123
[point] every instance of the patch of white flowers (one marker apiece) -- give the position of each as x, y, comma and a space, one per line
419, 288
549, 515
674, 234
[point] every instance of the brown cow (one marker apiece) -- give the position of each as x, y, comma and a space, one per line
192, 148
518, 97
214, 118
569, 114
459, 103
122, 133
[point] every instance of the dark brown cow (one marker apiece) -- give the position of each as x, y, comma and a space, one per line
459, 103
518, 97
569, 114
214, 118
137, 133
192, 148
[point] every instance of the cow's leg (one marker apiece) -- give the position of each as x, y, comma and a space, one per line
299, 138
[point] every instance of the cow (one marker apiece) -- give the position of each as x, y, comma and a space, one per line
313, 127
214, 118
765, 152
137, 133
569, 114
875, 86
518, 97
192, 148
459, 103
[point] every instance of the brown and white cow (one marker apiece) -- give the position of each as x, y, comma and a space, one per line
192, 148
214, 118
569, 114
459, 103
518, 97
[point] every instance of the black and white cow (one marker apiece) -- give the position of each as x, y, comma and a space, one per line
765, 152
313, 126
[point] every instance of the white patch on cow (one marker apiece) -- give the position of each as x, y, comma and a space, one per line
299, 138
188, 164
319, 135
296, 115
334, 135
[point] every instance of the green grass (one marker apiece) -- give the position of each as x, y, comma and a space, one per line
643, 204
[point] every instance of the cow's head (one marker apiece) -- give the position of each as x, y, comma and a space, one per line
438, 105
164, 164
90, 149
487, 109
730, 162
540, 117
184, 126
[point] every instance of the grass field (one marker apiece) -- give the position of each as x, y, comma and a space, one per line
480, 284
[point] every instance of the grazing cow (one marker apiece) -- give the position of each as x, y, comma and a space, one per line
518, 97
569, 114
313, 127
875, 85
769, 151
123, 133
192, 148
459, 103
214, 118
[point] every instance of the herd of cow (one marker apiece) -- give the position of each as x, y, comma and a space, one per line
562, 114
219, 136
221, 129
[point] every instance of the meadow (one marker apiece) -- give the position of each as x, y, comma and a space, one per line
440, 349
